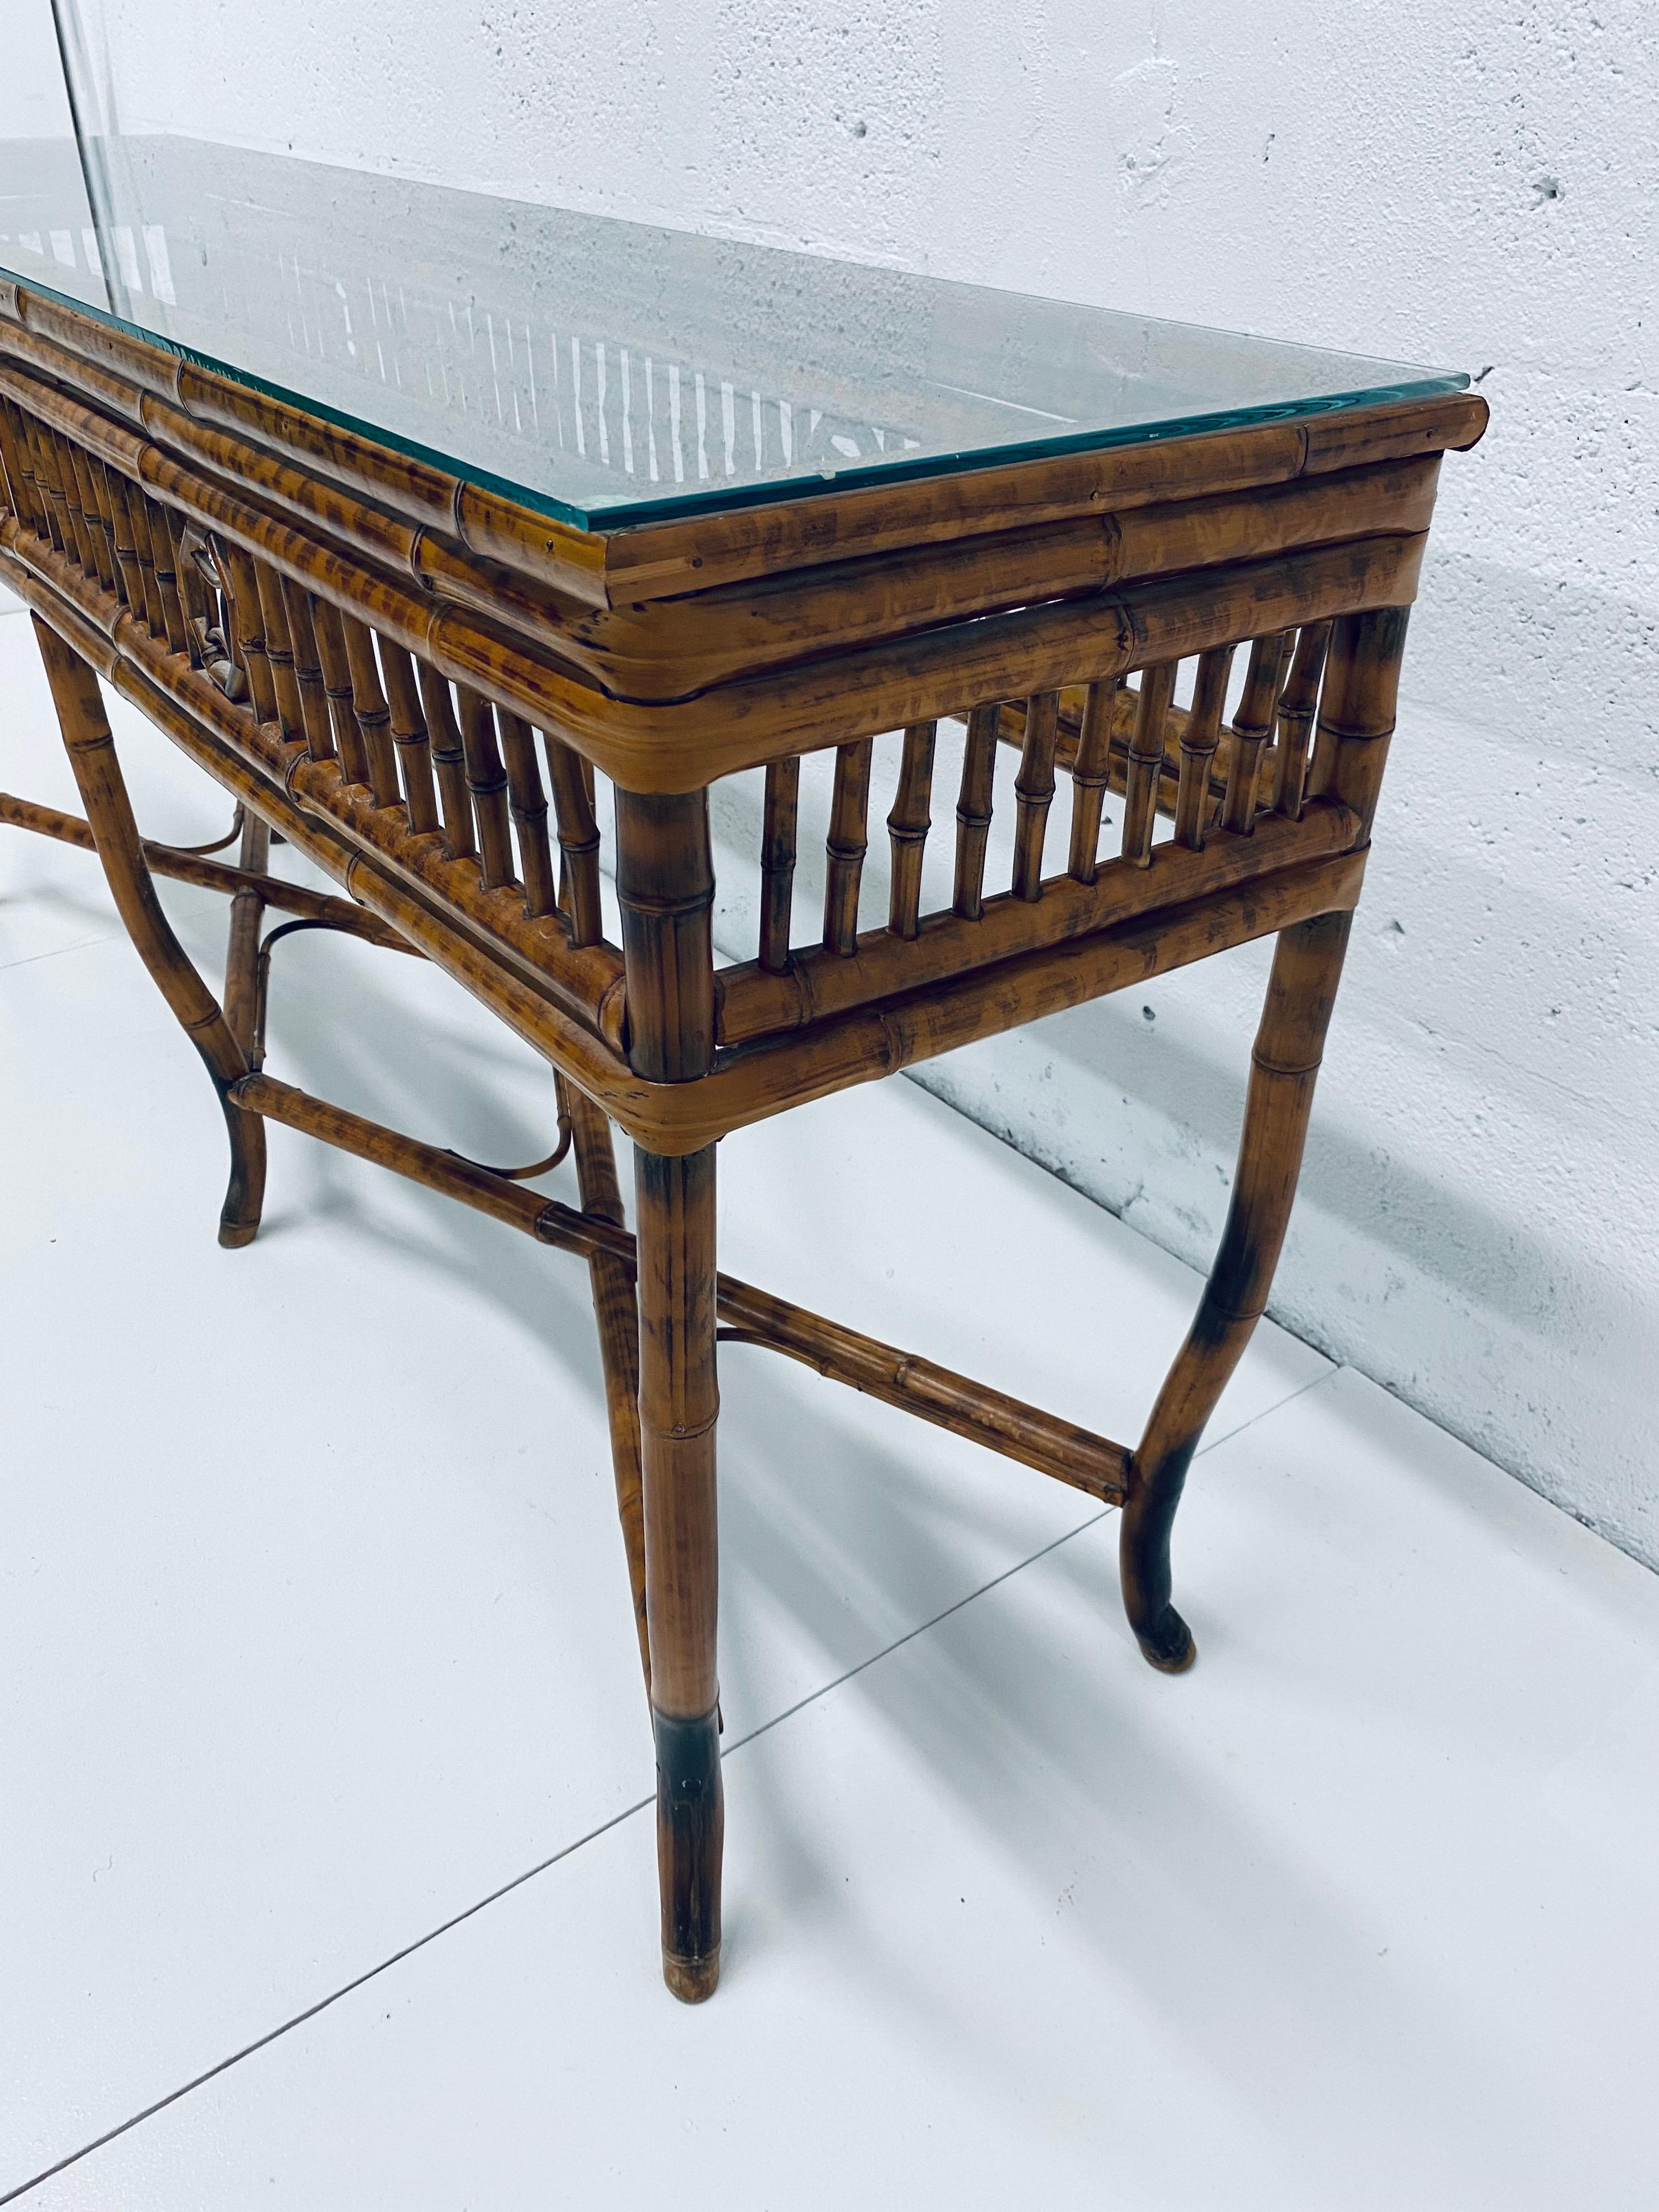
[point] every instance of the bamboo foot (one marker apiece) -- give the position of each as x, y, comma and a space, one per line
1164, 1638
1168, 1644
239, 1217
691, 1834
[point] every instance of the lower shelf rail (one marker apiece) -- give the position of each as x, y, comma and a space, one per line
935, 1394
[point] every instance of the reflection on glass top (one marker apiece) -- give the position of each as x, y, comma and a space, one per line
611, 373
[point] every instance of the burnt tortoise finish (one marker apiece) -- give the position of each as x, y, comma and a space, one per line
394, 670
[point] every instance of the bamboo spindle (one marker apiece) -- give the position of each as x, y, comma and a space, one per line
104, 480
907, 825
112, 494
18, 482
448, 764
46, 478
80, 536
33, 458
278, 653
778, 862
1089, 778
1296, 702
77, 543
65, 497
1199, 740
248, 630
112, 511
41, 466
336, 690
528, 802
51, 455
155, 613
19, 472
308, 675
98, 544
410, 736
1034, 791
1253, 725
30, 457
848, 839
76, 547
486, 779
1146, 762
190, 602
23, 432
73, 465
579, 840
46, 462
127, 548
1357, 709
979, 768
370, 712
94, 500
164, 554
192, 589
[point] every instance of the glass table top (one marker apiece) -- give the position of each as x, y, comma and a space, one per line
611, 373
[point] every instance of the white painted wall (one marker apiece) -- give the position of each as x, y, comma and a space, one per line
1472, 185
32, 101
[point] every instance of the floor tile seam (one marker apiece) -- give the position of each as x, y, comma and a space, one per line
311, 2011
81, 945
1018, 1566
1266, 1413
396, 1958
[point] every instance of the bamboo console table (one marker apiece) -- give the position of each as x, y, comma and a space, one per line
399, 510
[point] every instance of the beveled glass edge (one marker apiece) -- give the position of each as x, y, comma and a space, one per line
718, 500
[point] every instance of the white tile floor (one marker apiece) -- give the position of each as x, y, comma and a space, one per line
317, 1642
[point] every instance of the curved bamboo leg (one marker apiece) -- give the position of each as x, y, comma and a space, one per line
616, 1313
679, 1403
109, 811
1307, 966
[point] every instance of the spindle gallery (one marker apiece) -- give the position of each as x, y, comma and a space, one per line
413, 678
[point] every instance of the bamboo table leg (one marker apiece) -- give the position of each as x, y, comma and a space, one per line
679, 1405
1307, 966
1356, 721
242, 953
242, 1012
665, 885
109, 813
616, 1312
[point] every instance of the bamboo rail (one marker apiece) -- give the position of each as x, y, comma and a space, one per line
211, 875
900, 1379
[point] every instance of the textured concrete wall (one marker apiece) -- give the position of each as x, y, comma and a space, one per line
1474, 187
